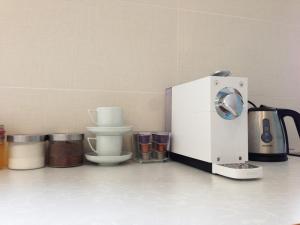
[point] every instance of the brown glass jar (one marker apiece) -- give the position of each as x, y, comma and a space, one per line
65, 150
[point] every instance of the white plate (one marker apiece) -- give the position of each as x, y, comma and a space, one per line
109, 131
108, 160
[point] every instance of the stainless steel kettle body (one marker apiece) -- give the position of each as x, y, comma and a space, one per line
267, 136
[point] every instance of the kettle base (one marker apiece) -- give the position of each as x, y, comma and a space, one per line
268, 157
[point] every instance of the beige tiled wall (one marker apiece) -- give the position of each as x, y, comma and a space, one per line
58, 58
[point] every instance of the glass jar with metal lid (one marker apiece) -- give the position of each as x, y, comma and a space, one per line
3, 155
26, 151
65, 150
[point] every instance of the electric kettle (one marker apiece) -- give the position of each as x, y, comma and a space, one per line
267, 134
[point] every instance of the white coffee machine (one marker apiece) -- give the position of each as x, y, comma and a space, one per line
209, 125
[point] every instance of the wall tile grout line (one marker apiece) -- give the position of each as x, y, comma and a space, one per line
124, 91
273, 97
149, 4
177, 43
211, 13
83, 90
238, 17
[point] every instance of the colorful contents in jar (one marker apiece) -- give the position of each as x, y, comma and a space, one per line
3, 154
145, 147
144, 137
65, 150
153, 145
163, 137
161, 155
162, 140
65, 154
162, 147
146, 155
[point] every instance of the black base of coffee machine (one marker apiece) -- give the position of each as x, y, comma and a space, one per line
268, 157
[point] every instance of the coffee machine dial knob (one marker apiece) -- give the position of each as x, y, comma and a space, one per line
229, 103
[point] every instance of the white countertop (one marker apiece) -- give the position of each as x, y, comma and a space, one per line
141, 194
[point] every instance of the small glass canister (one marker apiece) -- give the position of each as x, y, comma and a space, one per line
152, 146
3, 155
26, 151
65, 150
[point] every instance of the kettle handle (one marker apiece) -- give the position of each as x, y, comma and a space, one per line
296, 117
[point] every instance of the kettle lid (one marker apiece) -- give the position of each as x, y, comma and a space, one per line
262, 108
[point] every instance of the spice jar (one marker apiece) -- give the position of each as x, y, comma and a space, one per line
144, 140
3, 157
26, 151
65, 150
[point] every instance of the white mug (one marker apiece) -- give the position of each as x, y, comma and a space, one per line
107, 116
107, 145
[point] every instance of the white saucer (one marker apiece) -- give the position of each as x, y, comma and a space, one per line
109, 131
108, 160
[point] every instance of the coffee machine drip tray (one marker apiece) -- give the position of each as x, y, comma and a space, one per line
238, 170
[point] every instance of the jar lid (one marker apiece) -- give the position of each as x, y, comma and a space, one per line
66, 137
161, 133
26, 138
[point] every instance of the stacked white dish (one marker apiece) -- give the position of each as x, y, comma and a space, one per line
109, 131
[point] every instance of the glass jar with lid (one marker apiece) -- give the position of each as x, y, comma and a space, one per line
3, 155
26, 151
65, 150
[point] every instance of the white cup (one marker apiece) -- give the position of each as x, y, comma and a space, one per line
107, 116
107, 145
